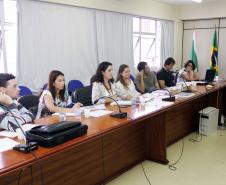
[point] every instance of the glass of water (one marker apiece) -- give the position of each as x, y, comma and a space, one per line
62, 116
78, 114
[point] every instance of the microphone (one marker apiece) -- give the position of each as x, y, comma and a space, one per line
120, 114
170, 99
28, 146
187, 91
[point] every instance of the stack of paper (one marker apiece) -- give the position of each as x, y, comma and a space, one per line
6, 133
11, 134
158, 103
99, 113
121, 102
27, 126
7, 144
66, 113
184, 95
94, 107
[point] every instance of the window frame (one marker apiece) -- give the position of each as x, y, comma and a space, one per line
4, 27
140, 33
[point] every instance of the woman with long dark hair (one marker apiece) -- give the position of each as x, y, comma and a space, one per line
55, 98
124, 85
188, 72
103, 83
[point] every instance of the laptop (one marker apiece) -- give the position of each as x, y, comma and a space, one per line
210, 74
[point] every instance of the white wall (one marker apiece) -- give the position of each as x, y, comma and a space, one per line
203, 10
178, 30
204, 37
222, 50
204, 40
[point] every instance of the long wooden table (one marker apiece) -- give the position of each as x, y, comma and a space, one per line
111, 145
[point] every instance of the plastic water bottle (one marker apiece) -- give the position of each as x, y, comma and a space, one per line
134, 101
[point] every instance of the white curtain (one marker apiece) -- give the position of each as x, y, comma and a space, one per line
167, 40
70, 39
0, 46
55, 37
3, 67
115, 39
1, 10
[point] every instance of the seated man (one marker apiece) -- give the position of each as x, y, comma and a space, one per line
9, 91
145, 80
165, 76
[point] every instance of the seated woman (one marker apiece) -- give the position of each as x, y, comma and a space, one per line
188, 72
9, 92
103, 84
55, 98
125, 87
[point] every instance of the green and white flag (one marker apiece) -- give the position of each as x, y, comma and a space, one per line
193, 52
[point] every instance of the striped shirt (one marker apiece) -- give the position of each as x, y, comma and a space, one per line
20, 113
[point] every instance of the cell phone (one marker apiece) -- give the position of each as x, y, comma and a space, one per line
26, 148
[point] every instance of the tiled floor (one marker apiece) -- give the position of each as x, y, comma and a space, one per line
202, 163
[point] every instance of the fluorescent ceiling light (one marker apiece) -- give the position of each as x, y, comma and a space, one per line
197, 1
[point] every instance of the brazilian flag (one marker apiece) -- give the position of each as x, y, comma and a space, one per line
214, 54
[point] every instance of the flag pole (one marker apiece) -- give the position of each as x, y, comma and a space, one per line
218, 40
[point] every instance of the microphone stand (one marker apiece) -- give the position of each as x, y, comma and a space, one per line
170, 99
187, 91
120, 114
28, 146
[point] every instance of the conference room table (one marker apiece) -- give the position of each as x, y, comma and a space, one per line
111, 145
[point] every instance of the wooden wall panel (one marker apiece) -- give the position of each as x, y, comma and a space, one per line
80, 165
156, 139
183, 119
123, 148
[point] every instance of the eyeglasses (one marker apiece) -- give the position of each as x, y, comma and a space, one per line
13, 86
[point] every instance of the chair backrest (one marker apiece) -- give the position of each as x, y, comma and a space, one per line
73, 85
83, 95
44, 86
30, 102
132, 78
176, 77
24, 91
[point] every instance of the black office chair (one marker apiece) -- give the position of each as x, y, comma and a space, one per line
175, 75
30, 102
83, 95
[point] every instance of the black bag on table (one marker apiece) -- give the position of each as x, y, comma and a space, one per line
55, 134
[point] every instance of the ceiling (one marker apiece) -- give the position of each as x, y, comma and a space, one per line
179, 2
